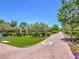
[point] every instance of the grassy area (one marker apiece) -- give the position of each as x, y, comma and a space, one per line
23, 41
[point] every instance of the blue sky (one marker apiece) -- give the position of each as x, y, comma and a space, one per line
30, 11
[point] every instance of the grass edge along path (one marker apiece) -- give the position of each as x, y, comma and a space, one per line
23, 41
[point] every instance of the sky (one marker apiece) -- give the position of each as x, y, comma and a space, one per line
30, 11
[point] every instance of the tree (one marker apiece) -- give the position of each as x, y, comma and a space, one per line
13, 23
4, 27
68, 15
2, 24
77, 2
55, 28
40, 29
1, 21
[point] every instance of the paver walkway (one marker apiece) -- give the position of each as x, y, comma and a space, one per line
51, 48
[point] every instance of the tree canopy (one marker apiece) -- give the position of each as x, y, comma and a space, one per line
68, 15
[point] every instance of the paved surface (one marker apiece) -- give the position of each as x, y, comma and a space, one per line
51, 48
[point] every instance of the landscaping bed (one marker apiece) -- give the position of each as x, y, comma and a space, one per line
75, 50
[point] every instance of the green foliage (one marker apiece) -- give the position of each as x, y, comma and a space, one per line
68, 15
77, 2
55, 27
25, 29
48, 33
76, 34
1, 21
13, 23
39, 29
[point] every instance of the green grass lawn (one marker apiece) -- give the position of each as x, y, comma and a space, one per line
23, 41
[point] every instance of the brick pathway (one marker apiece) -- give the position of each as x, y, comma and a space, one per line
51, 48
